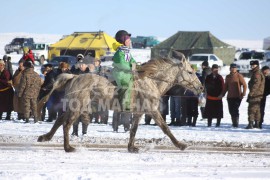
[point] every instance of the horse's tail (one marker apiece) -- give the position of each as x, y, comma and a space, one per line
59, 84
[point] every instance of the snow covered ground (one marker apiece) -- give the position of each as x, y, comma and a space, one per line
213, 153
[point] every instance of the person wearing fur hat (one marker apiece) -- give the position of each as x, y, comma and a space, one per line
29, 90
256, 90
6, 92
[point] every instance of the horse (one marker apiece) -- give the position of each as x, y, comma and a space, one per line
153, 80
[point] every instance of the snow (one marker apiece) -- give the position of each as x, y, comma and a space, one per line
213, 153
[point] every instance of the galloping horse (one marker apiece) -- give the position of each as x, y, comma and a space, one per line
154, 79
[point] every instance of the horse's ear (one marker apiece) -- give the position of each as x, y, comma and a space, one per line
178, 56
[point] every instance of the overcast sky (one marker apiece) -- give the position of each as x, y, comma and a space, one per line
226, 19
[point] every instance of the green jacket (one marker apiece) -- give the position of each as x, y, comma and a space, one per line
122, 63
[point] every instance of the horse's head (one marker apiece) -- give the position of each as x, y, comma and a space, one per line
186, 77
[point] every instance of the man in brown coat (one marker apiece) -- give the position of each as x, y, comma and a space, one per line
256, 90
236, 87
29, 89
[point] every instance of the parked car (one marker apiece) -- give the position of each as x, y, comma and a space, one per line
40, 51
197, 59
17, 45
71, 60
243, 62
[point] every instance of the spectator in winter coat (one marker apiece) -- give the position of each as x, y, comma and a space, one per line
84, 117
236, 87
256, 90
17, 101
192, 104
29, 90
8, 64
28, 55
214, 85
101, 116
206, 70
6, 92
46, 87
266, 73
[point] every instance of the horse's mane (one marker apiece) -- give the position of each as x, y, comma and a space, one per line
153, 66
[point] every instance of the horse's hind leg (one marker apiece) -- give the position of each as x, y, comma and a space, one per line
66, 126
162, 124
47, 137
135, 123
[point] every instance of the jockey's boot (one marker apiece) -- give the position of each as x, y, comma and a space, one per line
84, 128
218, 122
8, 115
250, 125
116, 120
125, 117
194, 121
75, 130
209, 122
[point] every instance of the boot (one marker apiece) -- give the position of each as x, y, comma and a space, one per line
125, 117
189, 121
36, 120
177, 122
26, 120
1, 115
75, 130
260, 125
194, 121
250, 125
235, 121
84, 128
8, 115
218, 122
172, 122
256, 125
209, 123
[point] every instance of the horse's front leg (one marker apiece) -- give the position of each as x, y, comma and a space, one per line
47, 137
66, 126
162, 124
135, 124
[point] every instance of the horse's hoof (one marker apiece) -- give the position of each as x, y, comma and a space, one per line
133, 149
182, 146
41, 139
70, 149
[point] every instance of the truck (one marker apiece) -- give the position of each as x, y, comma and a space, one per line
17, 45
40, 51
144, 41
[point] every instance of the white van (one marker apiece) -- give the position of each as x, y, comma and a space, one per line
40, 51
